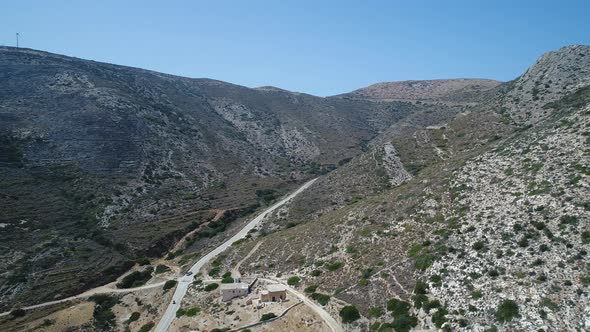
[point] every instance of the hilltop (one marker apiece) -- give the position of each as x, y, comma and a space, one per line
462, 90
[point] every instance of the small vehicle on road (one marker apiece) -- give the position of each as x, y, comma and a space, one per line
189, 273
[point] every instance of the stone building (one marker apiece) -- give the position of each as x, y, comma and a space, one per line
230, 291
273, 293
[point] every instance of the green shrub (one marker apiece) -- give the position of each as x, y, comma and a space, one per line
104, 318
436, 279
227, 278
169, 284
479, 245
293, 281
349, 314
136, 278
311, 289
18, 312
423, 261
267, 316
316, 273
506, 311
476, 294
421, 287
161, 268
404, 323
322, 299
439, 317
214, 271
367, 273
375, 312
193, 311
147, 327
398, 307
419, 300
211, 287
134, 316
568, 220
422, 256
142, 261
267, 195
431, 305
334, 266
375, 326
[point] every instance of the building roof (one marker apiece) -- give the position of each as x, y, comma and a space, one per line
235, 285
275, 288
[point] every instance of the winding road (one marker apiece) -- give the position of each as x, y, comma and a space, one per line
185, 281
330, 321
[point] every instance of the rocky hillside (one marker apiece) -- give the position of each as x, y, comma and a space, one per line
478, 223
448, 204
462, 90
554, 75
101, 165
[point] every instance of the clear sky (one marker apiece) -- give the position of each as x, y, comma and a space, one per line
317, 47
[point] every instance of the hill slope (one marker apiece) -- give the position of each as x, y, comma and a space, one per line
490, 231
464, 208
102, 164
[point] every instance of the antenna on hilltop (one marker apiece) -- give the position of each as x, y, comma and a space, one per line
17, 34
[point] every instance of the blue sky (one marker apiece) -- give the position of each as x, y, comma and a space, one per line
317, 47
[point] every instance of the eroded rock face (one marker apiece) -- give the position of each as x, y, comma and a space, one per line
394, 167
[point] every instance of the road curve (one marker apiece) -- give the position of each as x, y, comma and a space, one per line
330, 321
184, 282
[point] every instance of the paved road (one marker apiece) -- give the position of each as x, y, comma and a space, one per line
184, 282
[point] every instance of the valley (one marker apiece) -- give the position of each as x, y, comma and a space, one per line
454, 205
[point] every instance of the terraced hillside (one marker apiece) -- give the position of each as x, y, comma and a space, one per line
103, 164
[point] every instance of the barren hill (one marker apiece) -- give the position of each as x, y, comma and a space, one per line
461, 90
